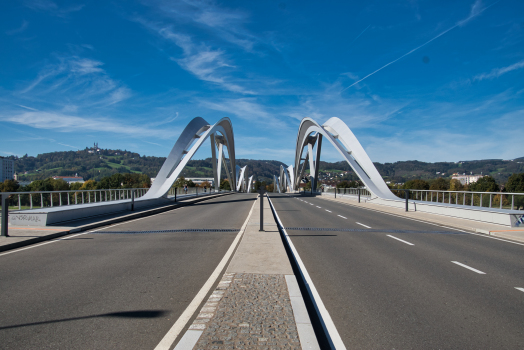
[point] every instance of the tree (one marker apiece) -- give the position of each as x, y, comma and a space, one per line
89, 185
224, 185
456, 185
439, 184
416, 184
9, 186
515, 183
484, 184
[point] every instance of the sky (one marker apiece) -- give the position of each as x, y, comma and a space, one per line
432, 80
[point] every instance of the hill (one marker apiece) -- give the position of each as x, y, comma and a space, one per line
95, 163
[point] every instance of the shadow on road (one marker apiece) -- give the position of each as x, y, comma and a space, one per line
121, 314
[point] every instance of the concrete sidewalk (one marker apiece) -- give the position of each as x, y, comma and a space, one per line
20, 236
516, 234
257, 304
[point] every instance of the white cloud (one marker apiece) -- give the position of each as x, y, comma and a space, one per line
19, 29
71, 123
77, 79
497, 72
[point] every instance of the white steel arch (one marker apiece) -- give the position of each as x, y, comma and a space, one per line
199, 130
345, 142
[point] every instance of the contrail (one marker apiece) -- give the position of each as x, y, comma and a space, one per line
459, 23
358, 36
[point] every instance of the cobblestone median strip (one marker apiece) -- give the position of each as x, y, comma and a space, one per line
246, 311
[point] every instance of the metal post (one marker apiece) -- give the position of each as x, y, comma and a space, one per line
261, 209
407, 195
358, 194
31, 200
512, 201
51, 196
132, 200
176, 190
5, 213
19, 204
76, 198
41, 200
60, 198
68, 200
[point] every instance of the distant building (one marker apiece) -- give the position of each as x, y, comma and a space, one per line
201, 180
7, 169
70, 179
466, 179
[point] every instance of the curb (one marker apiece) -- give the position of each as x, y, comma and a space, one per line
149, 212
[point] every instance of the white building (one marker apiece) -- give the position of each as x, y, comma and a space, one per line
466, 179
7, 169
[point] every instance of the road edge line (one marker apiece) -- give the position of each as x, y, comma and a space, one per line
170, 337
330, 330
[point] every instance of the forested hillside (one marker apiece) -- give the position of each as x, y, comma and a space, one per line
93, 163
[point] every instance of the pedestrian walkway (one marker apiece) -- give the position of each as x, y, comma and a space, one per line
257, 304
512, 233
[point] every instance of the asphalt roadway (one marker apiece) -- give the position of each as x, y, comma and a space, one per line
393, 283
119, 290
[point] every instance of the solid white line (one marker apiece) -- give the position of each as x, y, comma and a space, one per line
521, 289
343, 217
469, 267
329, 211
172, 334
358, 223
398, 239
328, 322
319, 207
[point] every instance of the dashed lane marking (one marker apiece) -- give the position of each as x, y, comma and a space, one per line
329, 211
401, 240
469, 268
358, 223
521, 289
343, 217
319, 207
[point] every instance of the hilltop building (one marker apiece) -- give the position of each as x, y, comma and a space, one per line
7, 169
466, 179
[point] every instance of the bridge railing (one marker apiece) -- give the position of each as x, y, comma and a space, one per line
349, 191
495, 200
48, 199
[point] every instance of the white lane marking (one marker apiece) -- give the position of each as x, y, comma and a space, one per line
343, 217
326, 317
329, 211
172, 334
431, 223
469, 267
319, 207
521, 289
398, 239
311, 204
358, 223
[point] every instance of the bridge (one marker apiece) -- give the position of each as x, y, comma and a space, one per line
157, 269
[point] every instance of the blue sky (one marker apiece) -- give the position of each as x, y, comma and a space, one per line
425, 80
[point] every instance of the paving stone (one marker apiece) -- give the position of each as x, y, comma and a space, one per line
253, 311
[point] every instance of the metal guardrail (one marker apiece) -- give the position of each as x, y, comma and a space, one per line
350, 191
47, 199
495, 200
